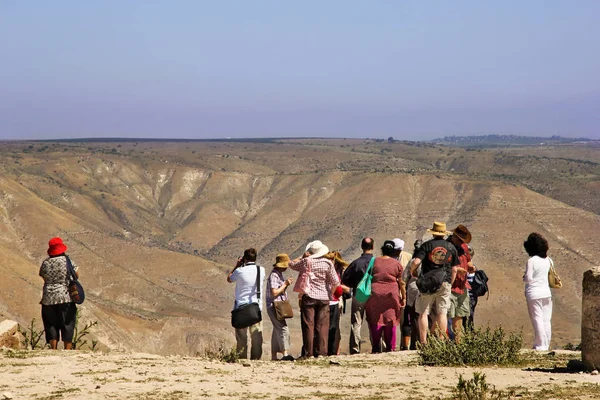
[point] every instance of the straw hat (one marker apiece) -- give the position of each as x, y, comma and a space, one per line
317, 249
462, 233
282, 261
439, 229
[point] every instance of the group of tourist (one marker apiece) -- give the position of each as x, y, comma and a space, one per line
427, 292
419, 292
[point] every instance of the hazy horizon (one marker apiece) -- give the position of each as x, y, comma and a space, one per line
203, 70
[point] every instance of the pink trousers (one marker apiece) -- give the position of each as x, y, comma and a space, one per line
388, 332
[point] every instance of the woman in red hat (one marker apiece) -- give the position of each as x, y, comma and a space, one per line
58, 310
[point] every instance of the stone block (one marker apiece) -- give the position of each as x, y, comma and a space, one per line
590, 319
9, 334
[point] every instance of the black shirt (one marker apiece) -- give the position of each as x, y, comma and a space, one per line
438, 253
356, 270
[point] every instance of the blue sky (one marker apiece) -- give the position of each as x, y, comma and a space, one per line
203, 69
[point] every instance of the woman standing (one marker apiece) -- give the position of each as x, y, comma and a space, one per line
537, 290
335, 305
316, 291
276, 287
58, 311
388, 296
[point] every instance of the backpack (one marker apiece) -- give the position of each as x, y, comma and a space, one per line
479, 286
431, 281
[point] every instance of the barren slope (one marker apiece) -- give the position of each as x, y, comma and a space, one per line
154, 226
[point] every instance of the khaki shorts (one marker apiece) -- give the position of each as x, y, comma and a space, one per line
439, 301
459, 305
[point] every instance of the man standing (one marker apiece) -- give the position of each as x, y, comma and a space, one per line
459, 298
244, 275
351, 278
439, 259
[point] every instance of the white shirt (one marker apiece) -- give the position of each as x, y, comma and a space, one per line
245, 285
536, 278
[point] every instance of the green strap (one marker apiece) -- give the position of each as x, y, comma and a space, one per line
370, 267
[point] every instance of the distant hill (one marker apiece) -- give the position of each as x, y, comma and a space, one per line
154, 226
506, 140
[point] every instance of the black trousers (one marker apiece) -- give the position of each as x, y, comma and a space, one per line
335, 336
410, 327
59, 321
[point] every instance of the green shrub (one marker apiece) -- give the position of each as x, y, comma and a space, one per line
478, 389
572, 347
78, 335
476, 348
222, 353
31, 336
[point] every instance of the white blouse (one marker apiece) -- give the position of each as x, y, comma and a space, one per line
536, 278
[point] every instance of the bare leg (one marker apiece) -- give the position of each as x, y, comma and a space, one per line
68, 346
54, 344
423, 328
457, 328
442, 320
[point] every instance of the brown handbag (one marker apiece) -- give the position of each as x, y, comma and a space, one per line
283, 309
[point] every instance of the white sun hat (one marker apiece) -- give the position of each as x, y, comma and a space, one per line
317, 249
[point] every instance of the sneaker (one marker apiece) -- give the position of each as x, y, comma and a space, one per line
287, 358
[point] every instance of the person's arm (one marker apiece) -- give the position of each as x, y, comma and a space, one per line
75, 268
414, 267
528, 276
471, 267
298, 264
332, 279
453, 275
281, 289
402, 287
42, 271
238, 264
461, 271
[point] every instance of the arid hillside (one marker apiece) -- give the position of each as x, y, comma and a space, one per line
154, 225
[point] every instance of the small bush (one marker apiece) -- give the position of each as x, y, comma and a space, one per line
476, 348
222, 353
572, 347
78, 335
31, 336
478, 389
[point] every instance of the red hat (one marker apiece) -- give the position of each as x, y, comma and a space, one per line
56, 246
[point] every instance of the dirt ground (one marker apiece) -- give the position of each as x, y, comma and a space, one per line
54, 375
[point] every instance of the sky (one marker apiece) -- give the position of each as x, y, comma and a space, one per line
412, 70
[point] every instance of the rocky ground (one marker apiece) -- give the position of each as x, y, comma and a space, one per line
55, 375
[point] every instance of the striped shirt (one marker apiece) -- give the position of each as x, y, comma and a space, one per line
275, 281
323, 278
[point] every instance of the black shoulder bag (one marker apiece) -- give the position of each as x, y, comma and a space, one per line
75, 289
248, 314
431, 282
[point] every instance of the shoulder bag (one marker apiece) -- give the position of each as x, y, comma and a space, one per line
363, 290
248, 314
303, 283
553, 278
74, 287
283, 309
